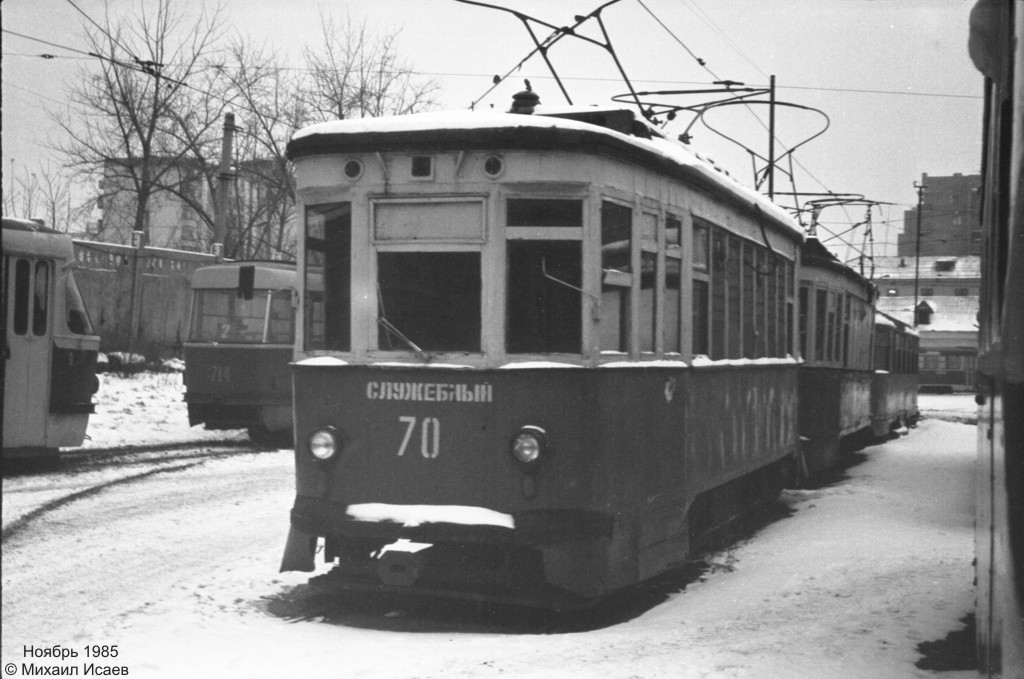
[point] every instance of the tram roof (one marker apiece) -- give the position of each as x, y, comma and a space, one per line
814, 254
268, 275
548, 128
23, 236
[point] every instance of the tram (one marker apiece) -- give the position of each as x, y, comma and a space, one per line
895, 382
858, 379
997, 32
836, 332
240, 339
50, 347
553, 352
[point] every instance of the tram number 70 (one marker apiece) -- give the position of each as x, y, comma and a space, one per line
430, 435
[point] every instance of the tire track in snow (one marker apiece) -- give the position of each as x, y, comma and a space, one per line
19, 524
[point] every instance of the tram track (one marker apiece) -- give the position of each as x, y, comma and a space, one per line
161, 458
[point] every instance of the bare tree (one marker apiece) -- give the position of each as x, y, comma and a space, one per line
134, 122
47, 194
149, 120
358, 74
271, 109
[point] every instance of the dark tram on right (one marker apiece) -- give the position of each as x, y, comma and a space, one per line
997, 31
545, 355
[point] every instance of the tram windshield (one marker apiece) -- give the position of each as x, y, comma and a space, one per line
224, 316
78, 317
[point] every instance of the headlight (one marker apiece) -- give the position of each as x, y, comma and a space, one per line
528, 445
323, 444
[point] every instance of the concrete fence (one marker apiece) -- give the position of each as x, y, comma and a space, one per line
138, 297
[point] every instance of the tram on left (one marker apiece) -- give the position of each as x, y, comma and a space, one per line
50, 347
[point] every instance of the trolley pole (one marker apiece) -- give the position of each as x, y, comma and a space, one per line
917, 249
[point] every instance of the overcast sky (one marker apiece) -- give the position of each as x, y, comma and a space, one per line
892, 75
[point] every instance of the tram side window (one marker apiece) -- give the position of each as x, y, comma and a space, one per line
820, 321
616, 275
790, 311
41, 295
673, 284
280, 320
78, 316
781, 336
804, 310
430, 298
543, 314
734, 272
649, 276
22, 285
772, 288
328, 275
701, 290
719, 256
751, 276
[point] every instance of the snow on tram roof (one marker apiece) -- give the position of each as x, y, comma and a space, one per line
549, 118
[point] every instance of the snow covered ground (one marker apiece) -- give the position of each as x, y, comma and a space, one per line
145, 409
181, 573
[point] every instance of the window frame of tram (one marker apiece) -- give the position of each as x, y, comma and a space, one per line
327, 311
616, 275
544, 276
429, 273
743, 300
641, 267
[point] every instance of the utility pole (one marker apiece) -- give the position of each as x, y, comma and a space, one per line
917, 250
224, 185
771, 140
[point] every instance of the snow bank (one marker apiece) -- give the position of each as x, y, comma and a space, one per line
415, 515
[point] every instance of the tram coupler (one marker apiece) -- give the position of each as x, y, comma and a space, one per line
400, 563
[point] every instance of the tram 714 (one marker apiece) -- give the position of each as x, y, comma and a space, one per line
239, 346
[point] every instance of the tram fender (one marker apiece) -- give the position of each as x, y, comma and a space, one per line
299, 551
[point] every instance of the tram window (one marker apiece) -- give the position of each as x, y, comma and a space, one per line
750, 306
700, 317
649, 276
280, 319
544, 212
820, 320
22, 285
700, 248
733, 282
432, 298
790, 310
616, 278
847, 317
543, 314
673, 284
804, 297
222, 316
771, 279
78, 316
830, 328
41, 293
883, 338
719, 257
780, 325
422, 166
328, 310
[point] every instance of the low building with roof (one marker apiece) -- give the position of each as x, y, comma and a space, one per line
939, 276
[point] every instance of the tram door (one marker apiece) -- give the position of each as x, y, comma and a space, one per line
28, 296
